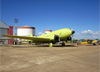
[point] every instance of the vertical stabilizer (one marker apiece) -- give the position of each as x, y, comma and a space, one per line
31, 35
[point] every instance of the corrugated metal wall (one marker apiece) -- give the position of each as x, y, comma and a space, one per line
3, 31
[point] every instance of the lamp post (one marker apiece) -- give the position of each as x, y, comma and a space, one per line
16, 21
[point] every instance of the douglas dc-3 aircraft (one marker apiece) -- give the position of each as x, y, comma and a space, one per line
51, 38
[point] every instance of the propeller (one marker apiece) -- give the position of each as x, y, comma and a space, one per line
71, 29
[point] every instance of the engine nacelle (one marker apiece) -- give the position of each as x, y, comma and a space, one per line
69, 38
56, 39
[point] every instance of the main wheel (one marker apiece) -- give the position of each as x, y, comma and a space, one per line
63, 44
94, 44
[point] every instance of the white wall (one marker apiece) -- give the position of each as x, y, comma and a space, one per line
25, 32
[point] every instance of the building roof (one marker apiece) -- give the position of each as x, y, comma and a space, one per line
3, 25
26, 27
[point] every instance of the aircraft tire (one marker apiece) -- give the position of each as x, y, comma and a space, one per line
94, 44
63, 44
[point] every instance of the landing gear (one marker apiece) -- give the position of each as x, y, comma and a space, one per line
94, 44
63, 44
50, 45
31, 43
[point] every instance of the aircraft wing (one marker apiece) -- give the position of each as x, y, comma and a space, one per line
29, 38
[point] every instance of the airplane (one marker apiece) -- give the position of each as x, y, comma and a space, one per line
60, 35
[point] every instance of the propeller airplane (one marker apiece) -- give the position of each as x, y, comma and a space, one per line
60, 35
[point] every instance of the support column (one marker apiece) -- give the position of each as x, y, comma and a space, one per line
50, 45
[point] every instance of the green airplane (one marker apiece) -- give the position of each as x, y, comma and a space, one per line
51, 38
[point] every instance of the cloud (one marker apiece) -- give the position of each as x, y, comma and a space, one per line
77, 33
97, 33
91, 34
87, 32
40, 33
95, 37
26, 26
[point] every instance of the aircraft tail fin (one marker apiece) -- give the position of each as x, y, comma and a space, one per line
31, 35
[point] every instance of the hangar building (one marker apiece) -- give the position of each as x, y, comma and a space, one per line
5, 30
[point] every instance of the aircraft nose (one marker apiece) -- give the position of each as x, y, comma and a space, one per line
73, 32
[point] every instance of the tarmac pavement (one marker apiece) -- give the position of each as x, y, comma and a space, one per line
27, 58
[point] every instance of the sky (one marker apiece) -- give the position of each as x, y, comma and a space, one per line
79, 15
